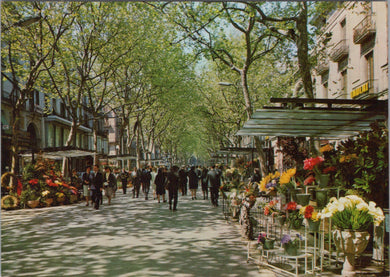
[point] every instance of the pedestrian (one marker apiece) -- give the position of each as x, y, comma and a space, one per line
97, 186
214, 182
193, 182
87, 183
183, 180
160, 182
145, 180
109, 183
124, 176
152, 181
204, 183
136, 180
173, 186
116, 173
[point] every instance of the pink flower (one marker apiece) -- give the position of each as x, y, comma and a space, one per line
309, 180
310, 163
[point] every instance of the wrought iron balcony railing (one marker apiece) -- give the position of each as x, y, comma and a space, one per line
339, 51
364, 30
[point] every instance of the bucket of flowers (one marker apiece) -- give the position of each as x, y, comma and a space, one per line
312, 217
291, 244
266, 242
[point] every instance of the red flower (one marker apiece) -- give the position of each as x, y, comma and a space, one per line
19, 188
51, 183
33, 182
308, 211
310, 163
329, 169
309, 180
66, 185
291, 206
266, 210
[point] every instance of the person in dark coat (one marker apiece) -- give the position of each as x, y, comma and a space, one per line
183, 180
136, 180
214, 182
98, 186
160, 183
146, 176
193, 182
173, 186
124, 176
204, 184
109, 182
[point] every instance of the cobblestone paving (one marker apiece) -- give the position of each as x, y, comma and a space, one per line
131, 237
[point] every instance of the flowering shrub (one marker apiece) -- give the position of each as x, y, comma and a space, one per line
352, 212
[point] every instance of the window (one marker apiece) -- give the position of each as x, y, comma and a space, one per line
370, 70
325, 90
343, 33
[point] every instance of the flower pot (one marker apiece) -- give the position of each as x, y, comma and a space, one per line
323, 180
268, 244
33, 203
313, 226
49, 202
296, 224
291, 249
294, 192
351, 243
321, 198
303, 199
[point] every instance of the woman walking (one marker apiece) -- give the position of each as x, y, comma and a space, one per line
193, 182
160, 181
109, 184
204, 184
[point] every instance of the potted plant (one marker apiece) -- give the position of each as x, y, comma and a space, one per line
9, 202
266, 242
312, 217
352, 217
291, 245
294, 218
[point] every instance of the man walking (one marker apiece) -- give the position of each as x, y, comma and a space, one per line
123, 177
214, 182
173, 186
87, 182
98, 187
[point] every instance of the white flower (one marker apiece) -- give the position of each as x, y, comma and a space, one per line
355, 199
362, 206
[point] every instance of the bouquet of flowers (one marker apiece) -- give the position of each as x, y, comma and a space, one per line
271, 208
352, 212
308, 212
290, 244
269, 183
294, 217
287, 181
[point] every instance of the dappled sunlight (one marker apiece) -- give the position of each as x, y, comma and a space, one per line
131, 237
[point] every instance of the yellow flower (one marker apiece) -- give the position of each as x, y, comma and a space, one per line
342, 159
326, 148
262, 187
315, 216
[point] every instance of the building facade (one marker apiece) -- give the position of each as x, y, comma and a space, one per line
353, 53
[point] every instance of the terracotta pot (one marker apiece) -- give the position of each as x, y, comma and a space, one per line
33, 203
49, 202
351, 243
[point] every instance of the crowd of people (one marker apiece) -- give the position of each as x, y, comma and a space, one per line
174, 181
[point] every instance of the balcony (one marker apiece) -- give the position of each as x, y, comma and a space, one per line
322, 67
364, 30
365, 90
339, 51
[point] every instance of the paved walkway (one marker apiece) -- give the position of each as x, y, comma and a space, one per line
131, 237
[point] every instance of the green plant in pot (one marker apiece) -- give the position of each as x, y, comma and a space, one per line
291, 244
295, 219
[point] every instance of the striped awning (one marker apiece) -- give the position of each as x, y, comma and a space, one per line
310, 123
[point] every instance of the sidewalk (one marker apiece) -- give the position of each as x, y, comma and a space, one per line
132, 237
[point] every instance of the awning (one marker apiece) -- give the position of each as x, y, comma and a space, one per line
310, 123
58, 153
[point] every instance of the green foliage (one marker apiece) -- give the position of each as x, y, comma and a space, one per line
353, 219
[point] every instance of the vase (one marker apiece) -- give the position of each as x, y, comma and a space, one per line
49, 201
268, 244
303, 199
321, 198
291, 249
323, 180
351, 243
33, 203
313, 226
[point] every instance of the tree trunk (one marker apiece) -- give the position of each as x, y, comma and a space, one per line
303, 50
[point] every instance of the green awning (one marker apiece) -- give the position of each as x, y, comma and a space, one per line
310, 123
